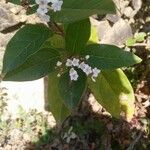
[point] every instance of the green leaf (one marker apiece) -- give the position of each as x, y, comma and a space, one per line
36, 66
94, 35
109, 57
130, 42
77, 35
140, 37
57, 41
114, 92
18, 2
25, 42
72, 91
55, 102
74, 10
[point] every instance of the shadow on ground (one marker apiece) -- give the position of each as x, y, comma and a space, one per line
92, 132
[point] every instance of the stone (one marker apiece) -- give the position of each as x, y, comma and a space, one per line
7, 18
117, 34
137, 4
128, 11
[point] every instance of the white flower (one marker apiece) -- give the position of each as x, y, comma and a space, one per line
95, 72
45, 18
59, 63
42, 3
57, 5
74, 77
87, 69
69, 63
58, 75
87, 57
73, 74
53, 1
75, 62
82, 65
72, 71
42, 11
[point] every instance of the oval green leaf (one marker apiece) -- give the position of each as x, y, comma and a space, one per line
36, 66
74, 10
55, 101
72, 91
114, 92
109, 57
77, 35
25, 42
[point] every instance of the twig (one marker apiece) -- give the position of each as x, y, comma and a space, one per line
131, 147
58, 28
55, 27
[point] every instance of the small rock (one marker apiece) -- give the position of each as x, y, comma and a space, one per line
117, 35
113, 18
137, 4
7, 18
128, 11
26, 137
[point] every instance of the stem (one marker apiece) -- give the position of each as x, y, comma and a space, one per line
56, 28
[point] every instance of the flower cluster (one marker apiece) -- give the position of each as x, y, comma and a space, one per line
44, 6
88, 70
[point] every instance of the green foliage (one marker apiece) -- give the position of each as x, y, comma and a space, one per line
57, 41
80, 33
18, 2
94, 35
21, 2
55, 100
36, 66
35, 51
109, 56
71, 91
74, 10
130, 42
24, 43
139, 37
114, 92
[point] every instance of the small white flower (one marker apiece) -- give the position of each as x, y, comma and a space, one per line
42, 3
82, 66
73, 74
87, 69
75, 62
57, 5
58, 75
69, 63
73, 135
59, 63
42, 11
95, 72
72, 71
87, 57
53, 1
74, 77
